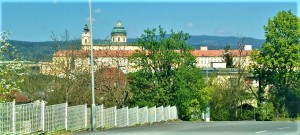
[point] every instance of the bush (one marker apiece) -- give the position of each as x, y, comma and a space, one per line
266, 111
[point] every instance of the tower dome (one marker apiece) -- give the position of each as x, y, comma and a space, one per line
118, 33
86, 29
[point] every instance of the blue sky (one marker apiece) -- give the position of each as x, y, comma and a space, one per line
29, 20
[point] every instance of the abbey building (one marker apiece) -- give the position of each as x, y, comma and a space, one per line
115, 52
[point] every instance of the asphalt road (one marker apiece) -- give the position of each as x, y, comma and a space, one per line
207, 128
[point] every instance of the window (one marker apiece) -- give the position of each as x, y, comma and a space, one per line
118, 39
85, 40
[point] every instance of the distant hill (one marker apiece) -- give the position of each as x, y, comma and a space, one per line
40, 51
216, 43
43, 51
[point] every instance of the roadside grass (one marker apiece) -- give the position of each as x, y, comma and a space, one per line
69, 132
62, 132
285, 119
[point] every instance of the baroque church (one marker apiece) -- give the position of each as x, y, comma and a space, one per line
115, 53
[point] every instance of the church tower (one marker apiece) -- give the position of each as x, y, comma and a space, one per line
118, 34
86, 38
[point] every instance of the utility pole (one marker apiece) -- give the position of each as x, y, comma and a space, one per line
92, 72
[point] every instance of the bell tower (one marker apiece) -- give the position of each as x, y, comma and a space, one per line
85, 38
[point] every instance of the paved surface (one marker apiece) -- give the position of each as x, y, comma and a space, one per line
208, 128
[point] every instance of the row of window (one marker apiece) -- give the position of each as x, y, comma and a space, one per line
119, 39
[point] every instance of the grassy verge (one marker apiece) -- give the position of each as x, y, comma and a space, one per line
286, 119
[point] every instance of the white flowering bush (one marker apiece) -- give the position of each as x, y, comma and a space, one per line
11, 71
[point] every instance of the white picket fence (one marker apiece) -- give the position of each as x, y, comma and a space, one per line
36, 117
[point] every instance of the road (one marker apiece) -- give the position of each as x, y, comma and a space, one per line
207, 128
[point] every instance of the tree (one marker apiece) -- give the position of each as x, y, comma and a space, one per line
227, 56
63, 81
277, 64
167, 74
111, 87
10, 73
36, 86
231, 91
191, 94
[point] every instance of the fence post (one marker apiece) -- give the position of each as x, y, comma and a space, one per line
85, 116
175, 109
137, 114
102, 116
154, 113
66, 116
115, 116
169, 112
147, 114
162, 110
43, 115
14, 117
127, 116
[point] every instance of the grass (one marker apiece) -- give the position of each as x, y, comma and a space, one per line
286, 119
62, 132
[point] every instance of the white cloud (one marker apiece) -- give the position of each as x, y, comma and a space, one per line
190, 24
99, 11
88, 19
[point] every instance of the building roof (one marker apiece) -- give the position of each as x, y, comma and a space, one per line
218, 53
97, 53
126, 53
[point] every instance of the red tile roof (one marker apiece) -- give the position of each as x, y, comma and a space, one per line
97, 53
218, 53
126, 53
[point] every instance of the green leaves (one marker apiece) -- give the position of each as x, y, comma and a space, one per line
167, 74
11, 72
227, 56
278, 62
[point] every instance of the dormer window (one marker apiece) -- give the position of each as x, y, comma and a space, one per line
85, 40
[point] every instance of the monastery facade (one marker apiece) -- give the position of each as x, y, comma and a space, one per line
116, 54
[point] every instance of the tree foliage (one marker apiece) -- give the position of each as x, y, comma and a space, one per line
227, 56
277, 64
111, 87
11, 72
232, 99
167, 74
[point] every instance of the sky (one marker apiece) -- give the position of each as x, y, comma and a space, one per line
29, 20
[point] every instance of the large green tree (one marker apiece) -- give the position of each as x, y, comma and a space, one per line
277, 64
167, 74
